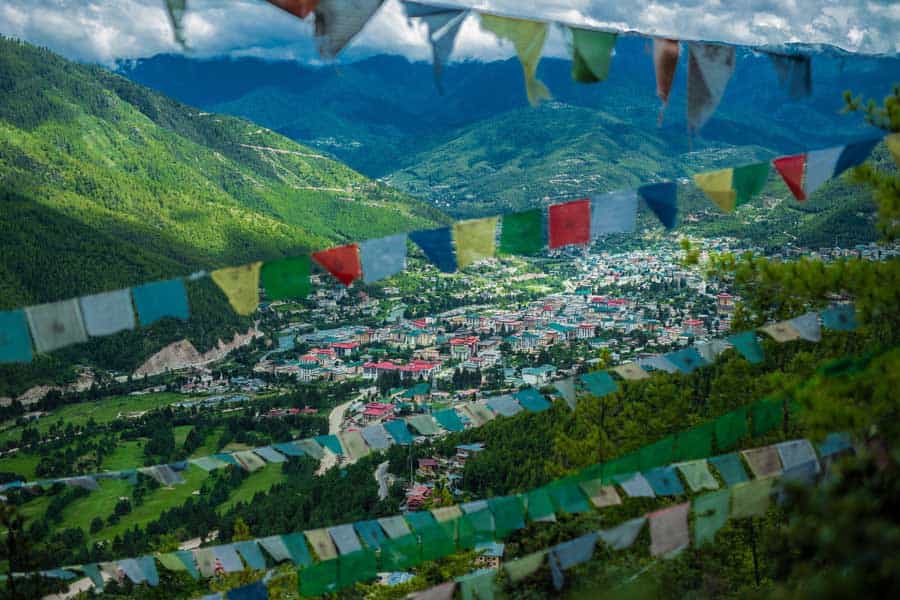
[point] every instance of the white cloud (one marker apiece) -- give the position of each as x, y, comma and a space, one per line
105, 31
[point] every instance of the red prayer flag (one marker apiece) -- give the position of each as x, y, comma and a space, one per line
791, 170
570, 223
298, 8
342, 262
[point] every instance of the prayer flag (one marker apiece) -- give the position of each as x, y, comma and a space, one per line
382, 257
519, 569
659, 453
15, 343
331, 442
253, 591
449, 419
251, 554
796, 453
338, 22
687, 359
342, 262
820, 167
658, 363
371, 533
397, 429
344, 538
437, 244
893, 144
664, 481
791, 170
108, 313
424, 424
570, 223
160, 299
731, 427
176, 10
854, 155
764, 462
662, 199
575, 552
669, 529
710, 66
767, 414
631, 371
730, 468
697, 475
270, 454
749, 347
794, 73
600, 495
781, 332
355, 444
227, 559
299, 8
395, 527
751, 498
475, 240
444, 591
240, 285
376, 436
296, 548
528, 38
729, 188
56, 325
504, 405
356, 566
319, 578
623, 536
539, 506
522, 233
321, 542
532, 400
248, 460
635, 485
710, 515
599, 383
132, 569
840, 317
566, 389
287, 278
446, 513
665, 61
807, 327
400, 553
312, 448
568, 498
443, 25
711, 350
835, 443
148, 568
615, 212
478, 585
591, 54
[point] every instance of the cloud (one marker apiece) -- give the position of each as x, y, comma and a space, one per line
104, 32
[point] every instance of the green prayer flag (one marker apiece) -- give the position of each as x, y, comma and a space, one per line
569, 498
710, 515
694, 443
751, 499
591, 54
478, 585
623, 465
482, 522
320, 578
540, 508
466, 536
400, 553
287, 278
657, 454
749, 181
730, 428
356, 566
508, 515
767, 414
435, 542
522, 233
519, 569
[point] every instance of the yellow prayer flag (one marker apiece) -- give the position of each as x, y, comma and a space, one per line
893, 144
528, 37
241, 286
717, 185
475, 240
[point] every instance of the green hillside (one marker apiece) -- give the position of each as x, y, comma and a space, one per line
106, 183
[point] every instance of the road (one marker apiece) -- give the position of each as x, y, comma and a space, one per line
335, 418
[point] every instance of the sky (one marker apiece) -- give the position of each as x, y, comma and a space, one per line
106, 31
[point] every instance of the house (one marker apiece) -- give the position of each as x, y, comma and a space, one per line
345, 349
490, 555
538, 376
375, 411
585, 331
419, 393
466, 451
463, 348
564, 333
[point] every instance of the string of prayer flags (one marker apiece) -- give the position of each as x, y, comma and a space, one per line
15, 342
665, 61
342, 262
669, 529
794, 73
287, 278
160, 299
781, 332
251, 554
748, 346
522, 233
751, 498
807, 327
729, 188
443, 25
570, 223
696, 474
338, 22
662, 199
624, 535
631, 371
591, 54
599, 383
475, 240
240, 285
344, 538
635, 485
687, 360
437, 244
382, 257
599, 494
763, 462
614, 212
299, 8
55, 325
710, 67
107, 313
840, 317
321, 543
806, 173
528, 37
730, 468
664, 481
710, 515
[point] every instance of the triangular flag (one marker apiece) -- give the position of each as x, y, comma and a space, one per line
794, 73
599, 383
820, 166
748, 346
791, 170
665, 61
615, 212
443, 26
840, 317
893, 144
623, 536
342, 262
749, 180
287, 278
528, 37
240, 285
570, 223
15, 343
781, 332
631, 371
437, 244
854, 155
808, 327
475, 240
566, 389
729, 188
662, 199
176, 10
709, 68
383, 257
299, 8
338, 22
522, 233
669, 529
591, 54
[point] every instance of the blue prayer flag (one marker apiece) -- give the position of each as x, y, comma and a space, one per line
383, 257
532, 400
437, 244
662, 199
840, 317
599, 383
749, 347
664, 481
854, 155
160, 299
15, 343
687, 359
